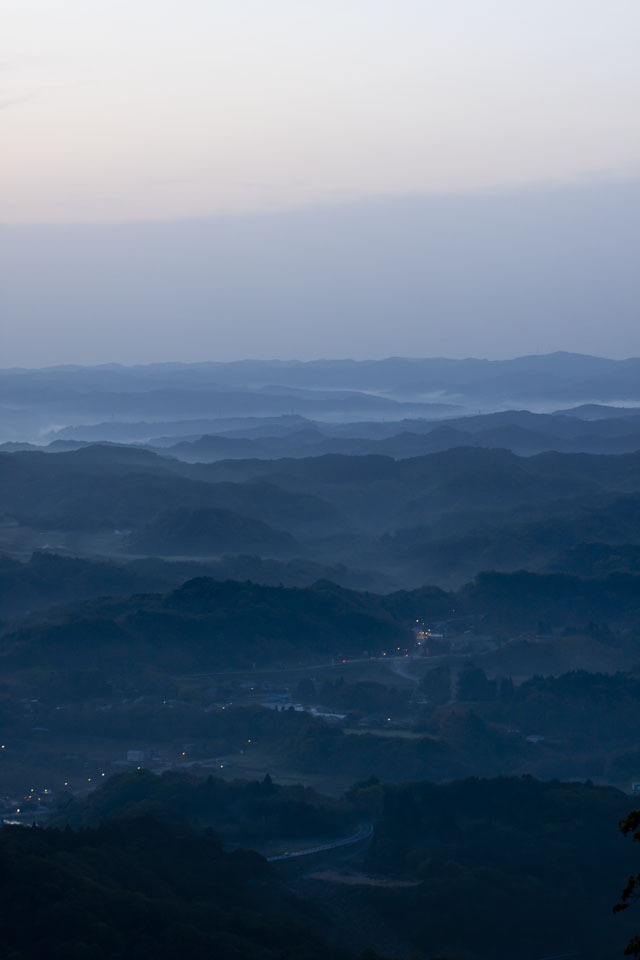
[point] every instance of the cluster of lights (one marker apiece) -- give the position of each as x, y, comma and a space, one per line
32, 795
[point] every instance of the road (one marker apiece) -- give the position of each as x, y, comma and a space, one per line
395, 664
364, 830
399, 666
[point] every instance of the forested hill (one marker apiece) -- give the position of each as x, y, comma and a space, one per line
387, 523
211, 624
246, 812
533, 868
47, 579
475, 868
138, 888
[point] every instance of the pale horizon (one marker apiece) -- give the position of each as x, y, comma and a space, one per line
500, 275
293, 179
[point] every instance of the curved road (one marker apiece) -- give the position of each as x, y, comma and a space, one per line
364, 830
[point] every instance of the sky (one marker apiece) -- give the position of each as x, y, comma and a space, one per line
295, 124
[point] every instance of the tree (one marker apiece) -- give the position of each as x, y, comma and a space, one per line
631, 892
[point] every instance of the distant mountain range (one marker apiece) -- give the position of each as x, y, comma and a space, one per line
560, 374
35, 401
522, 432
590, 429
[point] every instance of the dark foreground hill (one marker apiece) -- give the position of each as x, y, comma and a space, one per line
138, 888
502, 868
486, 869
248, 812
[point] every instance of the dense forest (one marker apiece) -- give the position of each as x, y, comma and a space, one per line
468, 843
138, 888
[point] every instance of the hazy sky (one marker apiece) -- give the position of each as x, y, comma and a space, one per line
491, 276
137, 109
191, 179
